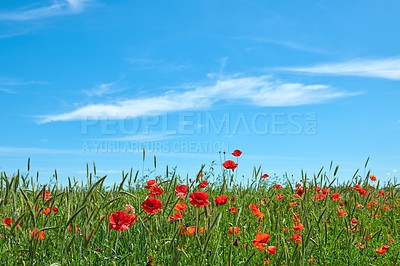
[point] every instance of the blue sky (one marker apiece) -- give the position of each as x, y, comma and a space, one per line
292, 84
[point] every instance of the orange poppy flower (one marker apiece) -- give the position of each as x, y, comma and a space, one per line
271, 250
233, 210
298, 227
382, 250
180, 207
237, 230
40, 234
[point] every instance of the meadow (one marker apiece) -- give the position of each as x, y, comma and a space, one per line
150, 218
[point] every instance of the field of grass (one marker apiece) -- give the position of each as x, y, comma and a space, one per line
305, 220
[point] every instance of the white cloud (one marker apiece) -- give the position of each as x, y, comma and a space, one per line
142, 137
57, 8
5, 83
388, 68
105, 89
7, 91
288, 44
260, 91
159, 65
18, 150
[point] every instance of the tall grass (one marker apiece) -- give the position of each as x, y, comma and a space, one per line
85, 206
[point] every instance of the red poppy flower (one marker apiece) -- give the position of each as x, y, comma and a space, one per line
155, 191
190, 230
280, 196
40, 234
236, 153
181, 191
199, 199
373, 178
335, 196
382, 250
253, 207
277, 186
317, 188
180, 207
46, 211
260, 241
354, 221
262, 237
203, 184
230, 165
299, 191
233, 210
55, 209
8, 221
177, 216
256, 211
265, 176
271, 250
152, 205
221, 200
151, 183
121, 220
233, 199
296, 237
47, 196
341, 212
326, 191
298, 227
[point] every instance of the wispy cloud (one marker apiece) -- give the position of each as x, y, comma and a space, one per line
143, 137
55, 8
7, 91
388, 68
289, 44
105, 89
26, 150
12, 82
262, 91
6, 83
159, 65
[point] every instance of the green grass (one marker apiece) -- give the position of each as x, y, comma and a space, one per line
88, 204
